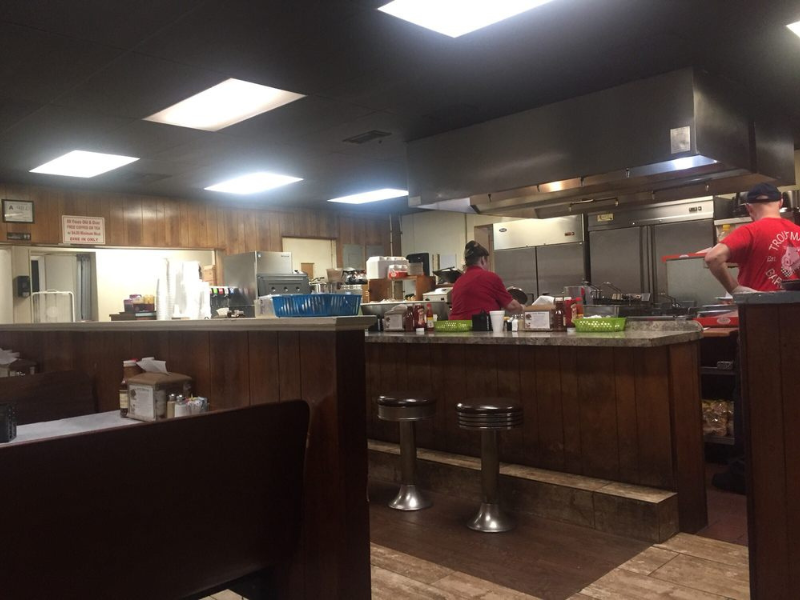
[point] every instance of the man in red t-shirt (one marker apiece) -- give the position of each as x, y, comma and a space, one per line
478, 289
766, 250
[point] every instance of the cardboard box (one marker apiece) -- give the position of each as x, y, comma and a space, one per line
147, 394
539, 318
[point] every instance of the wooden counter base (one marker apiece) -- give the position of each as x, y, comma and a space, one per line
631, 415
253, 362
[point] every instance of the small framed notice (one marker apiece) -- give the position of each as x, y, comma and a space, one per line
17, 211
83, 230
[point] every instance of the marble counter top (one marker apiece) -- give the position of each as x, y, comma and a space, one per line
637, 335
287, 324
768, 298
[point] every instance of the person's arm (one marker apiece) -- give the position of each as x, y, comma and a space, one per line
514, 307
717, 261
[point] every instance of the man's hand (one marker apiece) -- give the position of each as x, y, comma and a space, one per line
743, 289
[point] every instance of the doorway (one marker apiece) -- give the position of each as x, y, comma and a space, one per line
313, 256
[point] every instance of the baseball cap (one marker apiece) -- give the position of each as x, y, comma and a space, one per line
771, 193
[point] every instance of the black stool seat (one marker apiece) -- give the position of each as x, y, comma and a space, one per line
406, 408
403, 399
401, 406
489, 413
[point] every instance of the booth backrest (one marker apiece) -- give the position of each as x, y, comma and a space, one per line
158, 510
48, 396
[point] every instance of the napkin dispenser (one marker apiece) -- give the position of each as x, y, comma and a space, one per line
8, 423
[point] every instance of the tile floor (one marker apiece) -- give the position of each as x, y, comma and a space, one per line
727, 512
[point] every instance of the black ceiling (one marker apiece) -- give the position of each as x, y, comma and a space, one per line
81, 74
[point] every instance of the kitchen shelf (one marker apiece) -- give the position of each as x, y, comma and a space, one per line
724, 440
716, 371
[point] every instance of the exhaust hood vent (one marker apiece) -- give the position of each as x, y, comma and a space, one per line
671, 137
363, 138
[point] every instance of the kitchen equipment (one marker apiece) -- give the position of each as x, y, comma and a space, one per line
448, 275
282, 283
53, 307
378, 266
423, 260
627, 247
518, 295
258, 274
792, 285
380, 309
540, 256
439, 295
354, 276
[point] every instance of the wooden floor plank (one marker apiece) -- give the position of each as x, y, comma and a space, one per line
708, 549
648, 561
706, 576
620, 584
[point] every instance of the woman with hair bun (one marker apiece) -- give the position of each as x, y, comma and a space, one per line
478, 289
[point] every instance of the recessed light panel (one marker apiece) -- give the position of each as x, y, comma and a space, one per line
223, 105
795, 28
79, 163
373, 196
457, 17
253, 183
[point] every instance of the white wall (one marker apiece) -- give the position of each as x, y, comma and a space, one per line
322, 253
441, 232
120, 273
7, 287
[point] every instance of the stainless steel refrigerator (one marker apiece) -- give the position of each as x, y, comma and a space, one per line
626, 247
541, 256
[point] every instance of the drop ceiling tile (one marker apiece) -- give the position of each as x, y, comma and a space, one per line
39, 67
118, 23
137, 86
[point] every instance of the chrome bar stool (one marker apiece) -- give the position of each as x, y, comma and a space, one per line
489, 416
406, 409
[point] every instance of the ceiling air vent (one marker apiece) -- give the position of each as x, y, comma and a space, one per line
363, 138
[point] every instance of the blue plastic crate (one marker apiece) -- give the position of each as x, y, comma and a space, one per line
316, 305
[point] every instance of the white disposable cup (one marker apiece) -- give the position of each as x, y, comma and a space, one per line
497, 317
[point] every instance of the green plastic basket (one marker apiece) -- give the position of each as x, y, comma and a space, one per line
452, 326
603, 325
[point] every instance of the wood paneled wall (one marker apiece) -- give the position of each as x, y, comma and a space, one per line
157, 222
631, 415
242, 368
770, 337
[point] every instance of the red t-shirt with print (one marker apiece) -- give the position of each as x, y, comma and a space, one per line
767, 251
478, 290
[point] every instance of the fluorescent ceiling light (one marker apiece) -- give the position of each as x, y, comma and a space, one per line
795, 28
79, 163
253, 183
373, 196
224, 104
457, 17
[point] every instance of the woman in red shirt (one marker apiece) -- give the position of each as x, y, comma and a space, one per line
479, 289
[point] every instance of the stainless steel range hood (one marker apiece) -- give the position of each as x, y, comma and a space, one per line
679, 135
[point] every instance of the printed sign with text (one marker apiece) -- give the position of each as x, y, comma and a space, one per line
83, 230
